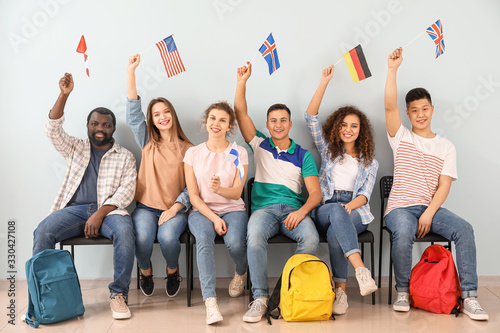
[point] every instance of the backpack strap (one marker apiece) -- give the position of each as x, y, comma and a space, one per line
274, 302
30, 319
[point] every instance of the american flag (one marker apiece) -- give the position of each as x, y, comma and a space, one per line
170, 56
435, 31
82, 48
270, 54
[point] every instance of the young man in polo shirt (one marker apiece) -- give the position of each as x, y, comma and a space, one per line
281, 166
424, 167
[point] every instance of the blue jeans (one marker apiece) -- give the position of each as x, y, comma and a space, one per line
204, 232
265, 223
341, 230
403, 223
147, 230
70, 221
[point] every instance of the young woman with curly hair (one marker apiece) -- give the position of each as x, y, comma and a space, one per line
347, 177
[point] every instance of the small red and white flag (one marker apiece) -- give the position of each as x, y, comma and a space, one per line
82, 48
170, 56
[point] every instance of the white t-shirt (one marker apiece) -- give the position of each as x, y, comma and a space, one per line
418, 163
344, 173
205, 164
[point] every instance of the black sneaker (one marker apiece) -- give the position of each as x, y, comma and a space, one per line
147, 284
173, 284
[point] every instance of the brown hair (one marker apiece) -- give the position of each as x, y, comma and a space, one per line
226, 107
364, 145
154, 132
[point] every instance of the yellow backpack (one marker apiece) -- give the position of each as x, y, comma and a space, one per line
306, 290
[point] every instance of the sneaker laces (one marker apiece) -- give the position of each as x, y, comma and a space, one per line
120, 300
257, 304
403, 297
212, 307
237, 282
474, 304
174, 276
340, 296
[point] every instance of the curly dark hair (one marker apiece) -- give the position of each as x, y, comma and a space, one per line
365, 147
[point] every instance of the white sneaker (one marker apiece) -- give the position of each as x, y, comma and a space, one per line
237, 284
473, 309
257, 309
402, 303
213, 313
340, 303
119, 307
365, 281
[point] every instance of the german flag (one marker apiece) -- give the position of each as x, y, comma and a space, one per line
357, 65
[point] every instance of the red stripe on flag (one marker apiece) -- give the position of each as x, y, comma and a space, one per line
357, 64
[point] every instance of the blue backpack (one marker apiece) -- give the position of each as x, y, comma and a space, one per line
53, 287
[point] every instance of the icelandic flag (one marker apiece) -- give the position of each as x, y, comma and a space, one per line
270, 54
435, 31
234, 157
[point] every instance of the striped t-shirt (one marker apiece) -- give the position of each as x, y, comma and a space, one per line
279, 175
418, 163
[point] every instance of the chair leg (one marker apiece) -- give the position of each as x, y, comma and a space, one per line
189, 269
390, 275
138, 276
363, 252
380, 258
372, 267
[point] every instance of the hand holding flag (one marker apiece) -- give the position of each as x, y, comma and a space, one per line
233, 157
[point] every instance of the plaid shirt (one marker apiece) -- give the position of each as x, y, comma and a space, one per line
117, 176
365, 179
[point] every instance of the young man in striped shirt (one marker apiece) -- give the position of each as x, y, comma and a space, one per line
424, 168
98, 186
281, 166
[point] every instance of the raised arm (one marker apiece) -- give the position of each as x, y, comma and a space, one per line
133, 62
245, 123
134, 115
66, 85
392, 116
326, 76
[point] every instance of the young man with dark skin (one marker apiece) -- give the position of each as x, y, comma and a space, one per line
281, 166
424, 168
99, 184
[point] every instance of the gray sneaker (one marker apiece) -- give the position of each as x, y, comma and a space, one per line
340, 303
473, 309
402, 303
257, 309
365, 281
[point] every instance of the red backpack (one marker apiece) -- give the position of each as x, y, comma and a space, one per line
434, 283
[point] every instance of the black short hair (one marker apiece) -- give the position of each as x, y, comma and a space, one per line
416, 94
104, 111
278, 106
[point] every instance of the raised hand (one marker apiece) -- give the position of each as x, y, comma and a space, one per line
66, 84
327, 74
244, 73
395, 58
133, 62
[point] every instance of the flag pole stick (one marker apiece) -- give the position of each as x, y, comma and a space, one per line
255, 54
149, 48
413, 39
338, 61
73, 63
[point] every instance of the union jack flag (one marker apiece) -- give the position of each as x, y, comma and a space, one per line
270, 54
170, 56
435, 31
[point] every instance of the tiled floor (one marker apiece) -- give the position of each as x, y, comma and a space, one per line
162, 314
